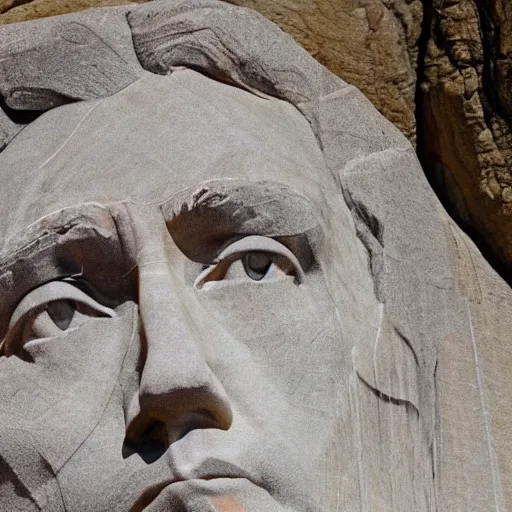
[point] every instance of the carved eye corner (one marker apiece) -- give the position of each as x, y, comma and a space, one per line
51, 310
253, 258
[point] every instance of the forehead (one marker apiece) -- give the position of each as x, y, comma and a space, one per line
154, 138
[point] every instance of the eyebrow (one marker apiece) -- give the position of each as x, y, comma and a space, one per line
206, 216
84, 240
271, 208
63, 226
75, 241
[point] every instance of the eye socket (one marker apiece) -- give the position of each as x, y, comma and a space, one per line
49, 311
254, 258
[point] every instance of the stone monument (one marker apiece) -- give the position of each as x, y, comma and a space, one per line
227, 284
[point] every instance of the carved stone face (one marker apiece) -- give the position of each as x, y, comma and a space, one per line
172, 336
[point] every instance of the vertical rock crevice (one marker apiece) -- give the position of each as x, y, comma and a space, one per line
466, 138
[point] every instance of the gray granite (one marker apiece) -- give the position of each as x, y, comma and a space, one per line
227, 284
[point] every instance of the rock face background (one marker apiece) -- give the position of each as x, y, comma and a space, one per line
465, 116
440, 70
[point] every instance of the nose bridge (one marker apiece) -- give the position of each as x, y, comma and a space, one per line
174, 360
177, 387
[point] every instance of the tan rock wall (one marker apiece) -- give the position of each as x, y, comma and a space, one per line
467, 113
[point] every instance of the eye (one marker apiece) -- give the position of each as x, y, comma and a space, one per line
254, 258
49, 311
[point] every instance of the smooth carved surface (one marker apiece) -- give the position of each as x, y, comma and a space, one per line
227, 285
370, 44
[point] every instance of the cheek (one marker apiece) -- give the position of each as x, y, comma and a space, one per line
291, 331
60, 397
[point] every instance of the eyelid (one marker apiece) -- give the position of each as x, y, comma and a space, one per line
50, 292
253, 243
44, 294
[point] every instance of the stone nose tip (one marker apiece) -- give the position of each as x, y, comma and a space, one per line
165, 415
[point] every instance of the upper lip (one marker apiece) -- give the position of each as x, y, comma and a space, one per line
224, 470
151, 493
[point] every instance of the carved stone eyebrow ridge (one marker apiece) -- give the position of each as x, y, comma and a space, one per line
200, 220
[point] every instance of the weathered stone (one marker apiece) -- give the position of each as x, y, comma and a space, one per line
25, 10
467, 115
465, 108
372, 44
26, 49
214, 298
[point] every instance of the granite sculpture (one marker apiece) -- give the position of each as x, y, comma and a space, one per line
227, 285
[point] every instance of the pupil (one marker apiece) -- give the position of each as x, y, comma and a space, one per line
61, 312
256, 265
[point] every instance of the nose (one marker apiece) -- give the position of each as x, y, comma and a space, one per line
178, 391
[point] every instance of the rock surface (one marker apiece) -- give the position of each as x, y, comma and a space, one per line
371, 44
419, 322
12, 11
467, 114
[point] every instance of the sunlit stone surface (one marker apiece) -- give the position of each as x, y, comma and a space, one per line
226, 284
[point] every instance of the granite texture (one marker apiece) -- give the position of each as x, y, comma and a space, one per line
228, 285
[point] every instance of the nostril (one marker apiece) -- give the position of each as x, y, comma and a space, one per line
150, 443
149, 437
